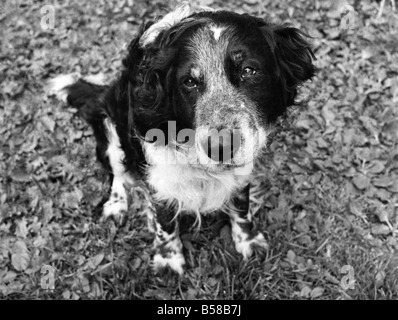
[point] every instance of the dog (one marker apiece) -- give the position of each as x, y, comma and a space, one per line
190, 113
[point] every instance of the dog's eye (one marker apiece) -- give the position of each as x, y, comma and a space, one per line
248, 72
190, 83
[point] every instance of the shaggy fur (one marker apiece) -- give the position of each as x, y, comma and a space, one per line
189, 114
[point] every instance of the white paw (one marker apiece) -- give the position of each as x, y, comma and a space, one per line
115, 208
246, 246
168, 253
175, 260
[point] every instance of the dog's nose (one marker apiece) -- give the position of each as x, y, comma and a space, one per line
221, 145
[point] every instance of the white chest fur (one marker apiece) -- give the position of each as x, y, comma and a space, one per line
194, 188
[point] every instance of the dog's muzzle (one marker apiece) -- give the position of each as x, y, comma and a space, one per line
221, 145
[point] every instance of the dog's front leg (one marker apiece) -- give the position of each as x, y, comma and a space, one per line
167, 244
244, 233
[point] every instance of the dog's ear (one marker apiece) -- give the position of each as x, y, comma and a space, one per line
295, 54
149, 74
293, 58
292, 52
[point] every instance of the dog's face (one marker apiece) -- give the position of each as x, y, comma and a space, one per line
221, 79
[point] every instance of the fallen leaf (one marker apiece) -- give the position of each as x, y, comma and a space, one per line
305, 292
9, 276
331, 278
66, 294
316, 292
379, 279
48, 122
71, 199
382, 214
305, 240
20, 257
95, 291
20, 175
291, 256
361, 181
301, 226
47, 208
380, 229
21, 230
83, 283
377, 167
303, 124
327, 113
394, 186
93, 262
383, 182
355, 209
136, 263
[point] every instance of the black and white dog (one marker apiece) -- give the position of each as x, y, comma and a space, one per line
195, 82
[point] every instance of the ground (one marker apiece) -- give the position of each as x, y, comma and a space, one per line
325, 194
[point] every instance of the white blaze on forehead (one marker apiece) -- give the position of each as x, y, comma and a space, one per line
195, 72
217, 31
209, 55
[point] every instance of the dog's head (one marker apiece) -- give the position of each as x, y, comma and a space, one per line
214, 82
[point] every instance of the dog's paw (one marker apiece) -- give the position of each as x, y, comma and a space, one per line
174, 260
115, 209
245, 245
169, 255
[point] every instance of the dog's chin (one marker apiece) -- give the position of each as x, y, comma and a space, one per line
213, 167
221, 167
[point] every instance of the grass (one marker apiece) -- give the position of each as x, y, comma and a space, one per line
325, 193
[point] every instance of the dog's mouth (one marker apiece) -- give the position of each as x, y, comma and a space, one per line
219, 151
227, 149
